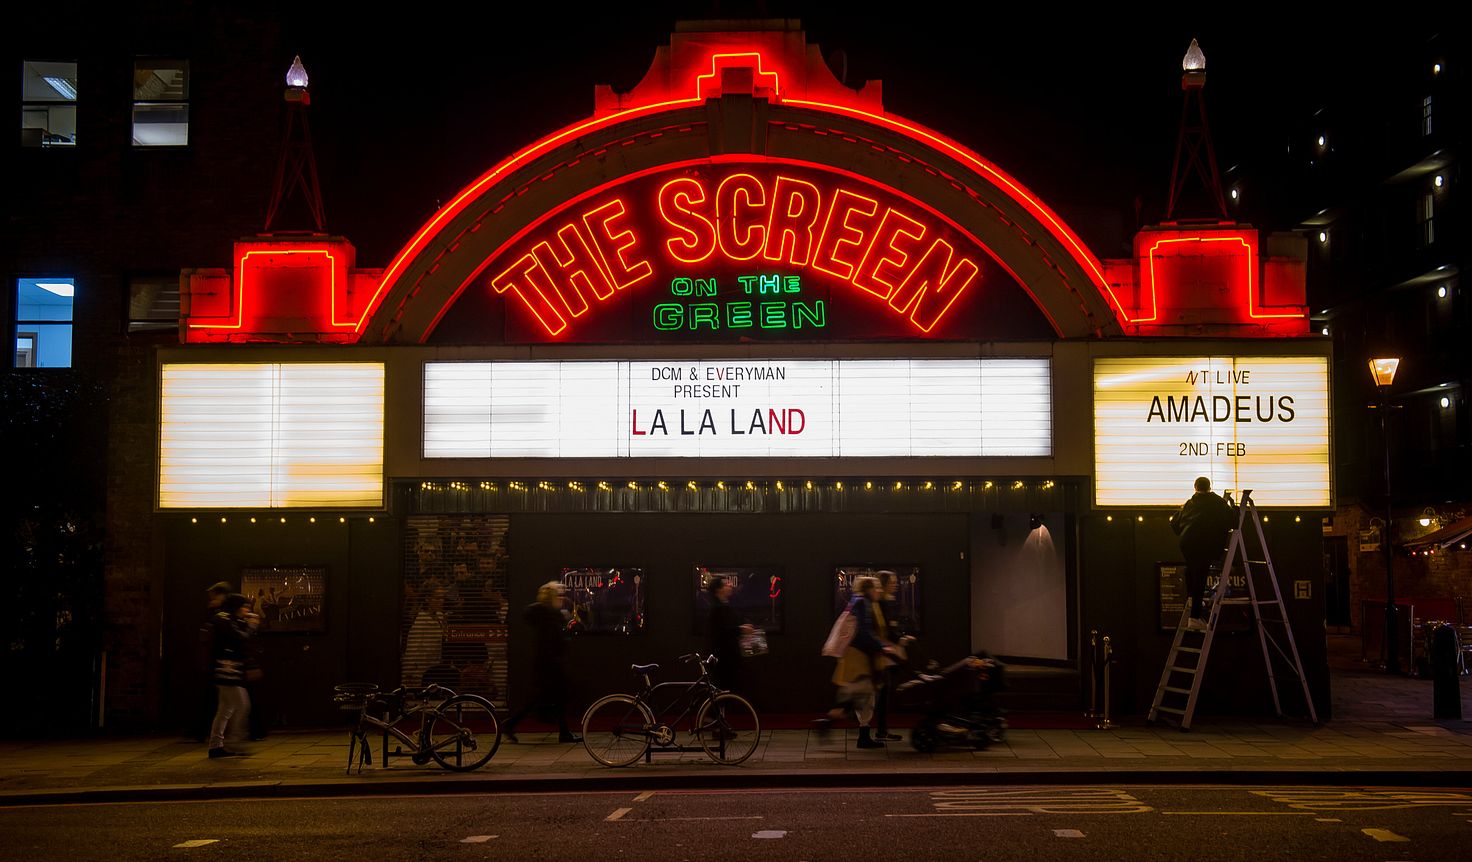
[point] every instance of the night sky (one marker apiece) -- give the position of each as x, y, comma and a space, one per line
411, 102
1083, 111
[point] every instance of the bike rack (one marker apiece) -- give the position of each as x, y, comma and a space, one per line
350, 697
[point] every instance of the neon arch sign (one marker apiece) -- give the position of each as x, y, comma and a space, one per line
737, 244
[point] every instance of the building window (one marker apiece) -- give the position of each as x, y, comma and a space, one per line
48, 110
153, 303
1427, 218
1426, 116
43, 322
161, 103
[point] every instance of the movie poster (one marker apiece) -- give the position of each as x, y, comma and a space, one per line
906, 598
605, 600
757, 598
286, 598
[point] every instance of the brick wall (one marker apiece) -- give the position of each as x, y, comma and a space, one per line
105, 211
1442, 575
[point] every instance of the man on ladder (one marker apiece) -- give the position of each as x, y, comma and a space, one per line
1203, 524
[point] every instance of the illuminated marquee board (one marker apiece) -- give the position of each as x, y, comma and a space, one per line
1259, 423
763, 251
749, 408
269, 435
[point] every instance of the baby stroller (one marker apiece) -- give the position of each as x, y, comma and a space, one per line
956, 704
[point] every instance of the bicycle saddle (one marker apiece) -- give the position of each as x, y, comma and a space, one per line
643, 669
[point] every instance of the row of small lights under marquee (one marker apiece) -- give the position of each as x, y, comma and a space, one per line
735, 485
1297, 519
312, 519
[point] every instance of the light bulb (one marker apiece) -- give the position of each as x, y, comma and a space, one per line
296, 76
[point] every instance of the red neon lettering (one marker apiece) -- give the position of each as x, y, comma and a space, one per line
795, 208
839, 231
933, 285
879, 270
575, 273
613, 242
745, 192
697, 239
521, 277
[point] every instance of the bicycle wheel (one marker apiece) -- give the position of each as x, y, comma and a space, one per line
463, 733
728, 728
615, 730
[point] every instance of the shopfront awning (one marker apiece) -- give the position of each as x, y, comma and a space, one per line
1452, 534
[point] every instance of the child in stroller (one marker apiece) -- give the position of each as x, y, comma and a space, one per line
956, 704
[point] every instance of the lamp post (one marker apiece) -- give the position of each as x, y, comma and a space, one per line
1383, 372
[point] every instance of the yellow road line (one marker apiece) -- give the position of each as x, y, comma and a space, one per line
1384, 835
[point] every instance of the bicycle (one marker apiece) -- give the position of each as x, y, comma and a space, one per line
451, 732
620, 728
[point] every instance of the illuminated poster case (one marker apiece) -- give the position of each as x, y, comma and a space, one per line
271, 435
1245, 422
739, 408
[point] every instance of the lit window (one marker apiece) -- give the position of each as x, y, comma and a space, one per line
1426, 116
48, 111
1427, 219
43, 322
161, 103
153, 303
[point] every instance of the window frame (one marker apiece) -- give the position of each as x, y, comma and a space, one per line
26, 326
27, 105
146, 325
153, 64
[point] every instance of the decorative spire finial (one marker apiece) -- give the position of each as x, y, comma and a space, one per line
296, 76
1195, 59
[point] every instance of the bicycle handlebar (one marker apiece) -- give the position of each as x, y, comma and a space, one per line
704, 661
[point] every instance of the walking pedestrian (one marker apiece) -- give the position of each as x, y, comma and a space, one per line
891, 625
254, 675
726, 629
1203, 524
857, 673
547, 618
204, 707
231, 661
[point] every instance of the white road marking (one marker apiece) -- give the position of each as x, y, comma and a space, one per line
1384, 835
769, 833
477, 839
1067, 833
618, 814
644, 796
197, 842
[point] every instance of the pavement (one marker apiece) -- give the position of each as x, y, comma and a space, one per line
1382, 734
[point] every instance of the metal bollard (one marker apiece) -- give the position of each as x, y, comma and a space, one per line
1446, 682
1108, 658
1093, 710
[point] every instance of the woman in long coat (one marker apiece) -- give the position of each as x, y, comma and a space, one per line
548, 622
857, 674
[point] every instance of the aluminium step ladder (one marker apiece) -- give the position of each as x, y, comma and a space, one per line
1185, 666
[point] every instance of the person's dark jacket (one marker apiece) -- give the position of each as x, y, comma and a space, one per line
549, 646
725, 633
865, 640
1203, 524
230, 655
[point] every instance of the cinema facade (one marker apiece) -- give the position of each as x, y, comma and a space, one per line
740, 320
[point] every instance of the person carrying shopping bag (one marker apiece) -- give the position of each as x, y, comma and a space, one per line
857, 672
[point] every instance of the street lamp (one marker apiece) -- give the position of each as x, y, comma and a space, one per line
1383, 372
